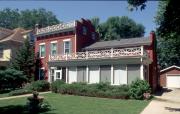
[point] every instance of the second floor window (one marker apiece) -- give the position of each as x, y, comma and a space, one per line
42, 50
67, 46
84, 30
1, 52
53, 49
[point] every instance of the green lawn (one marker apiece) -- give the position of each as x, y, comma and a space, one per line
66, 104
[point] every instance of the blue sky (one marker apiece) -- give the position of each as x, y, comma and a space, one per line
71, 10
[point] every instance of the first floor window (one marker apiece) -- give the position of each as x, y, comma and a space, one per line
41, 74
53, 49
105, 73
66, 47
1, 52
42, 50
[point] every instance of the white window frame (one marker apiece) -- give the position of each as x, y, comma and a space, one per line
64, 41
54, 42
40, 50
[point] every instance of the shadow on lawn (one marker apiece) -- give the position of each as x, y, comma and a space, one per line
18, 109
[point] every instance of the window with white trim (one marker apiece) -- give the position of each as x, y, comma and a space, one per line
53, 49
42, 50
67, 47
41, 74
1, 52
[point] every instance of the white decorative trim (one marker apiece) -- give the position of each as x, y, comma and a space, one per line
42, 43
57, 27
174, 66
54, 41
65, 40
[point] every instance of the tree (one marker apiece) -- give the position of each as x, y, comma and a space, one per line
169, 33
24, 60
13, 18
119, 27
11, 79
137, 4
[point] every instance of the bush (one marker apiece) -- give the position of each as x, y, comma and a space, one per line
40, 86
56, 84
138, 89
94, 90
19, 92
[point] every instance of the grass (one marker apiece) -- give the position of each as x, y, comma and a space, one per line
68, 104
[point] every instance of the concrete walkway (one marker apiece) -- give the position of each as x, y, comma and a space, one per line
26, 95
166, 103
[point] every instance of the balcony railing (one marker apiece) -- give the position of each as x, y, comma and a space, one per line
102, 54
57, 27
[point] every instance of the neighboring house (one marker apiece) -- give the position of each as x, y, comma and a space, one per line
170, 77
10, 42
70, 51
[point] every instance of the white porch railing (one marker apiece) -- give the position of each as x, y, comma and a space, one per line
110, 53
55, 27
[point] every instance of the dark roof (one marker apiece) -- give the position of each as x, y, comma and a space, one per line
130, 42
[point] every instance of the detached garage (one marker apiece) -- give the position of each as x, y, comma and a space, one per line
170, 77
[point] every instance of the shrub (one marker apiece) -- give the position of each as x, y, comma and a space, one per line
40, 86
94, 90
138, 88
56, 84
19, 92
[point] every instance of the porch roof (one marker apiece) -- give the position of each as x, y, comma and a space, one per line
130, 42
114, 61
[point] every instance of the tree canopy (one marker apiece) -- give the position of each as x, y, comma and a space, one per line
13, 18
168, 31
118, 27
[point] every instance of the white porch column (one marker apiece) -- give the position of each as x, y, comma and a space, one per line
87, 74
66, 75
142, 66
112, 74
142, 71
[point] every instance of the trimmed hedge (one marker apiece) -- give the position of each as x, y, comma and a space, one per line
56, 84
20, 92
93, 90
39, 86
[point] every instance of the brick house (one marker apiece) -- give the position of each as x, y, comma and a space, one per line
72, 52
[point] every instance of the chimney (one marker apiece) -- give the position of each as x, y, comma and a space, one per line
152, 36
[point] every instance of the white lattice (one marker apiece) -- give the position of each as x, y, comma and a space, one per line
55, 27
124, 52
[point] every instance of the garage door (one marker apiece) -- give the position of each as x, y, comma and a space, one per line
173, 81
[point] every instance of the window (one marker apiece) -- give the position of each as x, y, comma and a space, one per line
84, 30
41, 74
1, 52
81, 74
93, 35
42, 50
105, 73
66, 47
133, 72
53, 49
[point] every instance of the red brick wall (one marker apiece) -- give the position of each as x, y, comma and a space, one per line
153, 69
163, 75
84, 40
47, 40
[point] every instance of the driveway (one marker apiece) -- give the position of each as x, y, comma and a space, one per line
166, 103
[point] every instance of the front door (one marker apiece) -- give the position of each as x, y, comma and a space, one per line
58, 75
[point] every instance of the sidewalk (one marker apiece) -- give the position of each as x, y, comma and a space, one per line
26, 95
